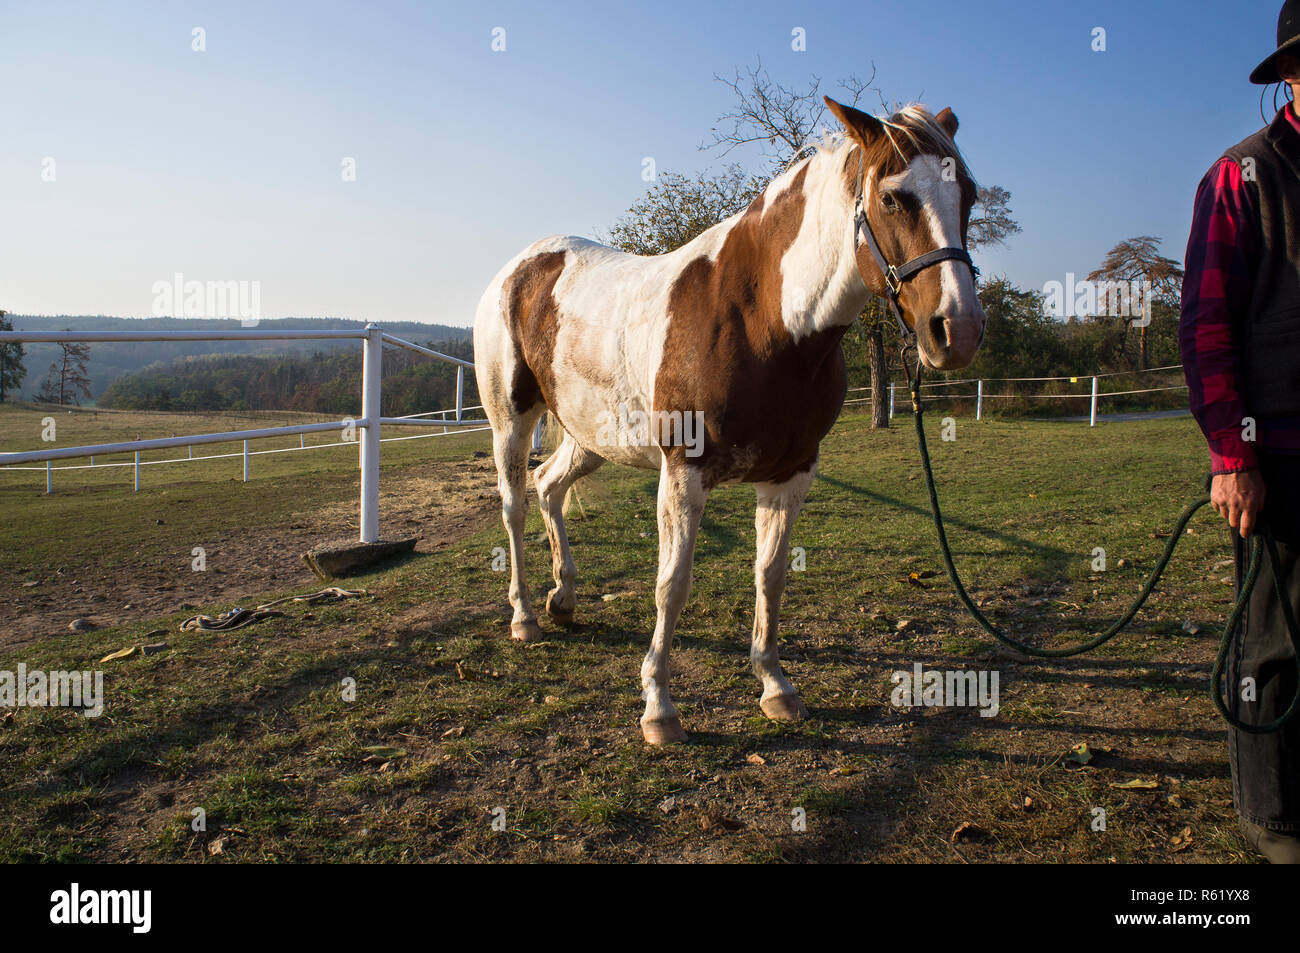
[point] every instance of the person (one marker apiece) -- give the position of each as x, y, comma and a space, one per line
1240, 338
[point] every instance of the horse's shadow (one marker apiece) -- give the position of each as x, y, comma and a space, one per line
1050, 558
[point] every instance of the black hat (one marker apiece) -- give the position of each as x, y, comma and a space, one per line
1288, 41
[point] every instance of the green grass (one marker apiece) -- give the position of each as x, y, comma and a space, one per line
253, 726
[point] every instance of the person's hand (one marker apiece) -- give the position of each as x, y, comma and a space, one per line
1239, 498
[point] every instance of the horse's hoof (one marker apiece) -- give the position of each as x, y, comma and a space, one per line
562, 616
784, 708
528, 631
663, 731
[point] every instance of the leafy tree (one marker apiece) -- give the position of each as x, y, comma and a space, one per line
991, 222
326, 383
677, 208
12, 370
1020, 338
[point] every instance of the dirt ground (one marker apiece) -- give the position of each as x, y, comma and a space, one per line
440, 503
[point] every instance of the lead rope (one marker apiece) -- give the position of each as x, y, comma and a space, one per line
1229, 630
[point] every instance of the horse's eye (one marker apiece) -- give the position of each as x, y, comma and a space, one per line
888, 201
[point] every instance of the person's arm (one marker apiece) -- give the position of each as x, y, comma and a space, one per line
1219, 266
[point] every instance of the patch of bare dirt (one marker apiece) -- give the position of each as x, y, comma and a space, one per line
441, 503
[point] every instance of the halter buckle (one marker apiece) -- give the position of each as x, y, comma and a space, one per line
892, 281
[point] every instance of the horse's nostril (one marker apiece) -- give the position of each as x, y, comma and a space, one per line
939, 330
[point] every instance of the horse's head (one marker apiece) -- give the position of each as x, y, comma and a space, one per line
916, 193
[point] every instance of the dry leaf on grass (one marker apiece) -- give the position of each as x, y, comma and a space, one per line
1137, 784
714, 823
966, 831
383, 753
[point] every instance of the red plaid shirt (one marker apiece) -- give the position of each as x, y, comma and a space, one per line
1222, 254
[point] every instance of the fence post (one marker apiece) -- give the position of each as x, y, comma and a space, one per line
137, 471
302, 441
48, 484
979, 399
245, 461
537, 433
372, 370
460, 392
1092, 413
891, 401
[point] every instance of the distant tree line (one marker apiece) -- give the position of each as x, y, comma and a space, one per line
109, 360
325, 383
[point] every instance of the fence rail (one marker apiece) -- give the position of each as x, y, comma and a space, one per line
368, 426
371, 422
1094, 395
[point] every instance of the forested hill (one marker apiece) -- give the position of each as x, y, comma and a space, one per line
323, 382
111, 360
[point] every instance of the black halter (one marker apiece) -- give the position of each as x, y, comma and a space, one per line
894, 277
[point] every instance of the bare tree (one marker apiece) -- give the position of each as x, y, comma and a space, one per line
67, 380
780, 119
1138, 259
679, 207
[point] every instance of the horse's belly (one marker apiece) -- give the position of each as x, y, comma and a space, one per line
603, 414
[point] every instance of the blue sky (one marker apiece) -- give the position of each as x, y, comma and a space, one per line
225, 164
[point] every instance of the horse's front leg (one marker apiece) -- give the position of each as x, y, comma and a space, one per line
681, 503
778, 507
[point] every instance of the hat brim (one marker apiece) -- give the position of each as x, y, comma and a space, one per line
1265, 74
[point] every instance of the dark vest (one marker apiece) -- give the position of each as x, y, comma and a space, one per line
1270, 332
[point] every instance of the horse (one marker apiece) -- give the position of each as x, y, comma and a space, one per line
738, 330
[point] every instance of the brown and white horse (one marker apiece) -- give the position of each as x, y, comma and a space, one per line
738, 329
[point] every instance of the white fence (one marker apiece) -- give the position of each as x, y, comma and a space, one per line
1093, 395
368, 426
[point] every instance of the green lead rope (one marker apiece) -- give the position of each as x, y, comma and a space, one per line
1243, 597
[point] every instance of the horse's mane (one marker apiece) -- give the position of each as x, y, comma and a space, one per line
909, 132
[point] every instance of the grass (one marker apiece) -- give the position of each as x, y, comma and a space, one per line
450, 726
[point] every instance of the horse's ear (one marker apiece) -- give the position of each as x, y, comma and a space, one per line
948, 119
858, 124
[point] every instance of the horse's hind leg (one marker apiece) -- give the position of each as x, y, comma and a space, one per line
553, 479
511, 438
778, 507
